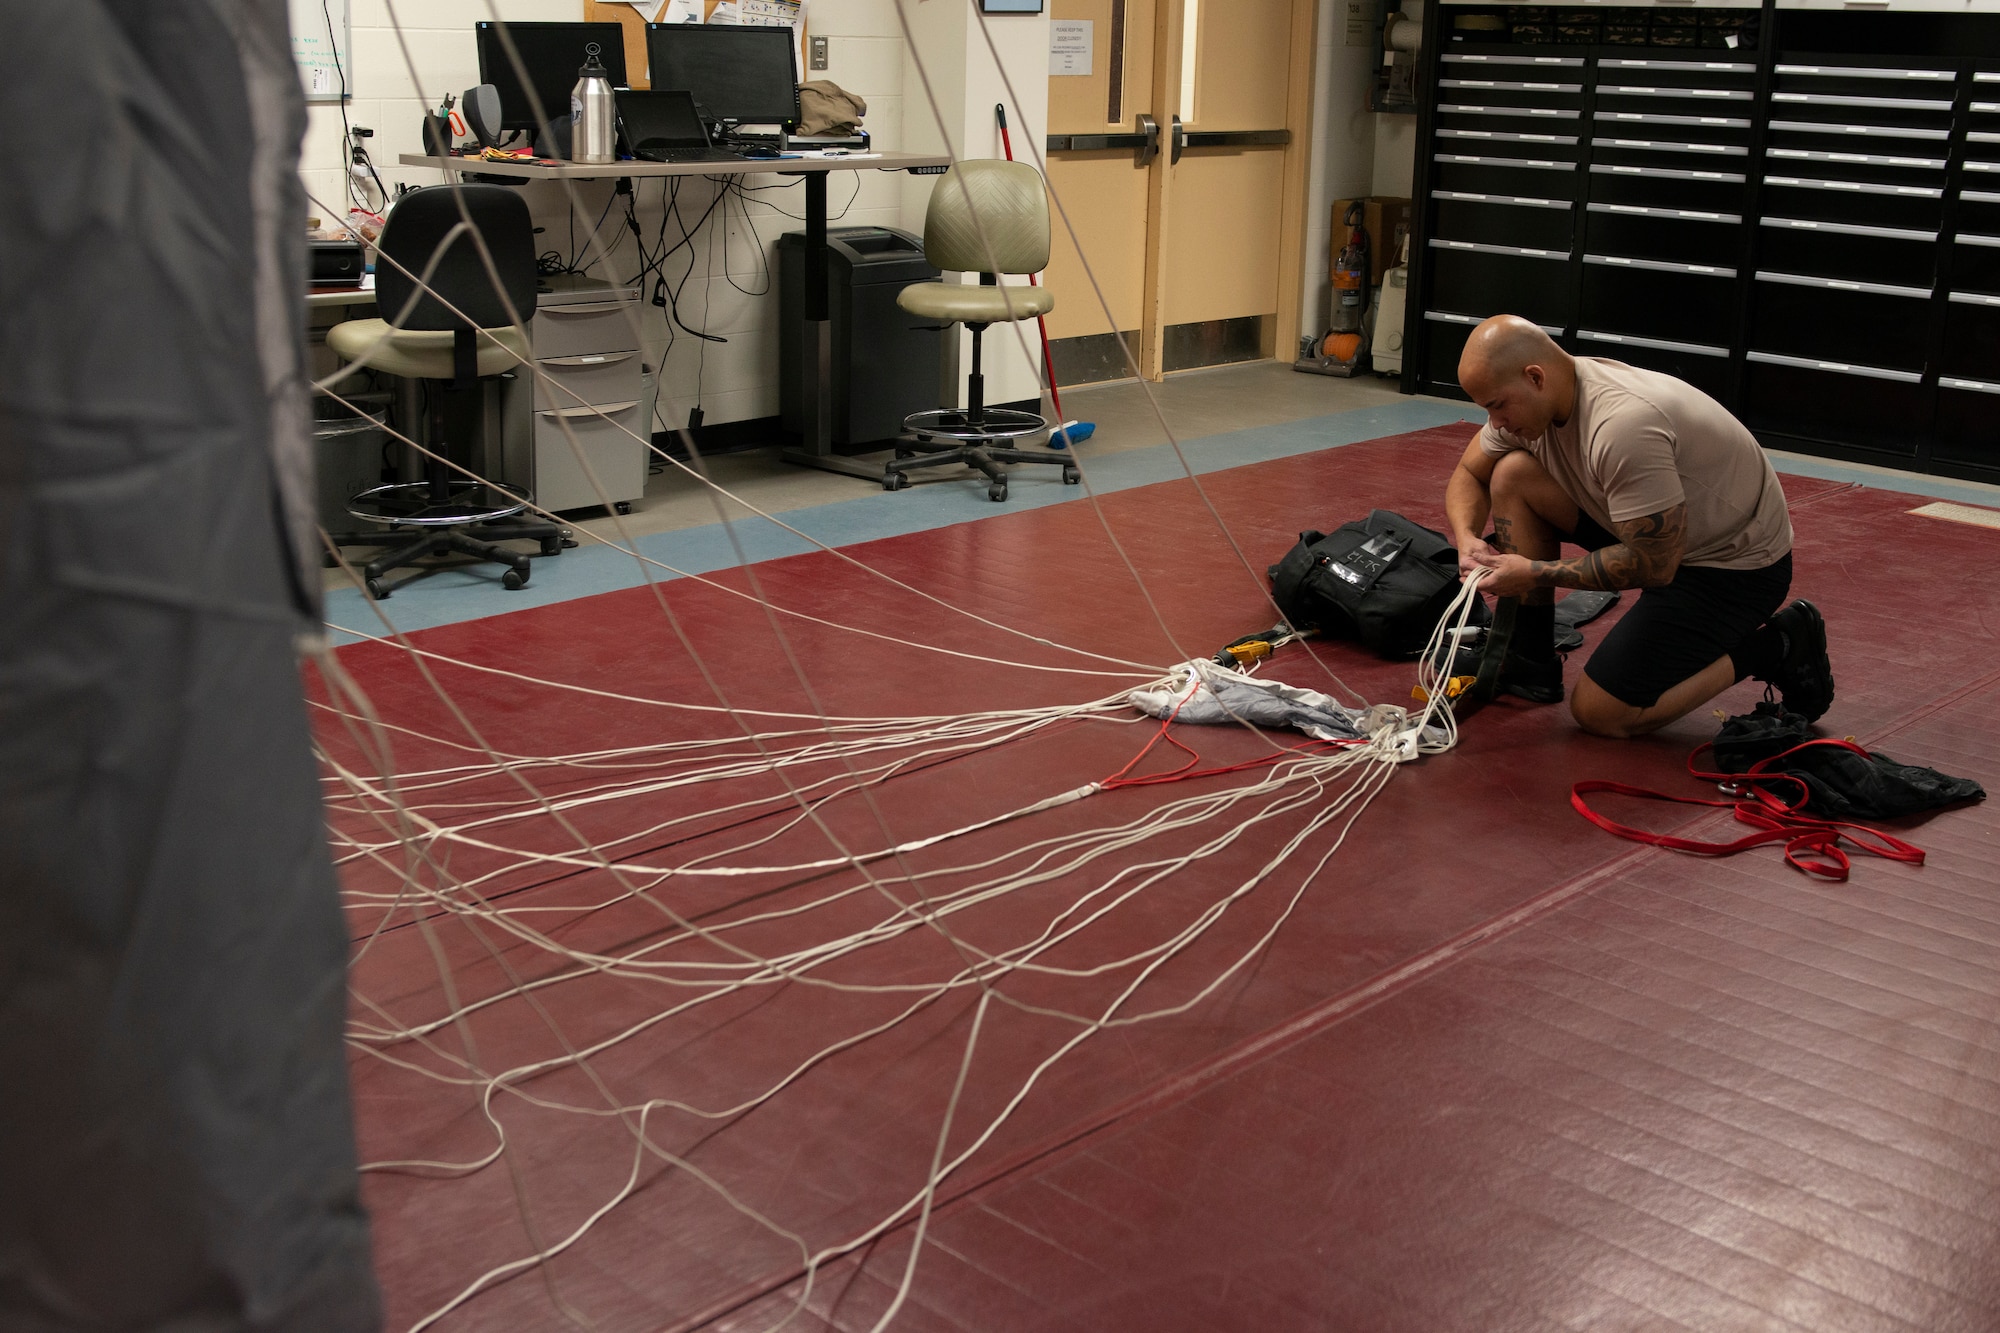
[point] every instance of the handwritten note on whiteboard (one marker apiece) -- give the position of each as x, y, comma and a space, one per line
321, 49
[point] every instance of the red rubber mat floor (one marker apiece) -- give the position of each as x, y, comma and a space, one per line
1497, 1069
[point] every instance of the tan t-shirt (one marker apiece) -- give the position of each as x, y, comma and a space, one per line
1640, 442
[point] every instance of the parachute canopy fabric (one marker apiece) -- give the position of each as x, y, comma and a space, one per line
176, 1148
1205, 693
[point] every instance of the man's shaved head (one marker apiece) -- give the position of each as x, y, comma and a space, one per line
1505, 345
1518, 374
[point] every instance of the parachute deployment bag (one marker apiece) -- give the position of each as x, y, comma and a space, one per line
1383, 580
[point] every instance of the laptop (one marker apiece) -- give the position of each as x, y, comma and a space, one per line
667, 127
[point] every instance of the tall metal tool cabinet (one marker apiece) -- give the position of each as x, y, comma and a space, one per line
1794, 206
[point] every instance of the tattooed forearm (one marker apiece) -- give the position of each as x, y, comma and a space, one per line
1647, 555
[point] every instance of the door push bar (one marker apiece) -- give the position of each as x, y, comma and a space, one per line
1145, 140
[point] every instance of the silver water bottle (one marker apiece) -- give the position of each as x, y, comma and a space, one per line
593, 117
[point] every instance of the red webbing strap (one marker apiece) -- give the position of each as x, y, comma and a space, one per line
1811, 845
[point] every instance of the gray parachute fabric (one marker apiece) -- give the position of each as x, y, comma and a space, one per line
176, 1143
1204, 693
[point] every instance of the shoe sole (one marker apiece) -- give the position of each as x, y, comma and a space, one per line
1815, 627
1534, 694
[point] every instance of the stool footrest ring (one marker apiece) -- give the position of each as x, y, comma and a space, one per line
995, 424
411, 504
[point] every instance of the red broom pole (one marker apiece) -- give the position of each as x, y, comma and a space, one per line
1048, 362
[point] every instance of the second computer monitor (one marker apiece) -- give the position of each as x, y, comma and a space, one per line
551, 53
740, 74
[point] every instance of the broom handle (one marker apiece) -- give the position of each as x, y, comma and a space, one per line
1048, 360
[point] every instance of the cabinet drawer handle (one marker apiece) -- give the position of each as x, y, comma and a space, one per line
1679, 214
1863, 187
593, 308
1851, 229
1661, 266
1532, 163
1521, 200
1866, 72
1664, 344
595, 410
1837, 367
1447, 317
1669, 173
590, 359
1845, 285
1692, 146
1712, 65
1894, 103
1481, 247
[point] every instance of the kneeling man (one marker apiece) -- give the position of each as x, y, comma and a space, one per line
1665, 491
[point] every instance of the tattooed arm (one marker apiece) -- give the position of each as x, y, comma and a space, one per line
1647, 555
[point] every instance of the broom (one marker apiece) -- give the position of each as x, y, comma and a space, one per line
1070, 432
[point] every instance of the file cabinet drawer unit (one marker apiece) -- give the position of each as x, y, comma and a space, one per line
1804, 223
585, 442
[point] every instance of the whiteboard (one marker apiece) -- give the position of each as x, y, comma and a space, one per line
322, 50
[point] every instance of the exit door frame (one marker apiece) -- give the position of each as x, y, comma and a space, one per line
1167, 57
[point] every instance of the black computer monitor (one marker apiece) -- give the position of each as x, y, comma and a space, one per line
740, 74
551, 53
664, 120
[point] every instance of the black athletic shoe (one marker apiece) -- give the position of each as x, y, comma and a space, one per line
1805, 678
1537, 682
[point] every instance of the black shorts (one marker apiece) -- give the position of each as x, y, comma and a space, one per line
1676, 631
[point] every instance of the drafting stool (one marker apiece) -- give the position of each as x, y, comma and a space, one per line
985, 217
422, 338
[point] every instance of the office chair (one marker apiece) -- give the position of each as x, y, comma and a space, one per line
422, 339
982, 214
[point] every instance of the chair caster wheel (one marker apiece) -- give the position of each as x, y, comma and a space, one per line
1071, 476
552, 546
513, 580
376, 590
997, 491
894, 481
623, 506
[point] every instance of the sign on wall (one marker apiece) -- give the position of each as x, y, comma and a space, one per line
1070, 46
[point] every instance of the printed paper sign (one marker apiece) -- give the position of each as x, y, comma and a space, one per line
1360, 22
1069, 46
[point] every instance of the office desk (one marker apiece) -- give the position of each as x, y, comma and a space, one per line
342, 294
817, 450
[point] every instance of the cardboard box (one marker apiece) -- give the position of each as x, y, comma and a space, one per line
1380, 216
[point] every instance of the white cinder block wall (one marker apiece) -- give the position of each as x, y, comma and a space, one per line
1343, 164
731, 291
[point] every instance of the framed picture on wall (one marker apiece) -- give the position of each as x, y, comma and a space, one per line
1010, 6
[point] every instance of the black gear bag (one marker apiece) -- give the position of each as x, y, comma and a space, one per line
1840, 780
1383, 580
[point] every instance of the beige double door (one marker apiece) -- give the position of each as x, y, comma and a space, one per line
1177, 166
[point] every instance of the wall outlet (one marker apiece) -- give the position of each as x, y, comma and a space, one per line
816, 57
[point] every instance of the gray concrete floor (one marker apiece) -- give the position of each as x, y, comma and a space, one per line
1128, 414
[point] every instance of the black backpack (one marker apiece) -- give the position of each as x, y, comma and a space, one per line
1383, 580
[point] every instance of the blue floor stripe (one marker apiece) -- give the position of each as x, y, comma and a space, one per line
474, 592
1911, 483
